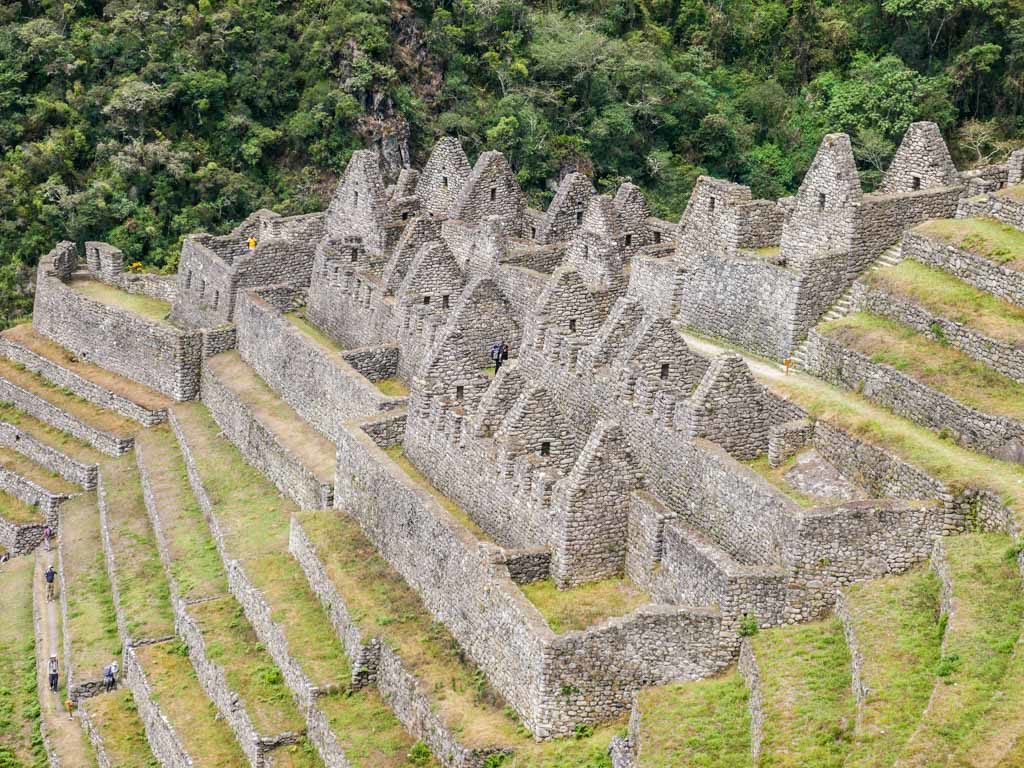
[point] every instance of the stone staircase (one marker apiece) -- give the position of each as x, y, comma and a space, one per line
844, 304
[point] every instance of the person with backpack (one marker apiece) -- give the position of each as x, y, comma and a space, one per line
499, 354
51, 576
54, 673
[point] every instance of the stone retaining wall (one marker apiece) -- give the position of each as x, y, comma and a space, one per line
70, 469
860, 689
1007, 358
163, 739
1004, 208
47, 412
77, 688
84, 388
996, 436
20, 539
260, 446
755, 703
95, 738
980, 272
32, 494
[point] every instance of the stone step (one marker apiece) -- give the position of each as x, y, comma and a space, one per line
29, 393
24, 346
892, 629
268, 432
980, 673
231, 665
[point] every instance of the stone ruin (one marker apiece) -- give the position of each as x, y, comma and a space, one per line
605, 447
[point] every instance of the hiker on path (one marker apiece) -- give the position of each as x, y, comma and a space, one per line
110, 676
47, 535
499, 354
54, 672
51, 576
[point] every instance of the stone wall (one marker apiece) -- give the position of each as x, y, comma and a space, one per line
260, 446
20, 539
106, 264
164, 741
997, 436
1007, 207
151, 353
319, 384
980, 272
32, 494
884, 218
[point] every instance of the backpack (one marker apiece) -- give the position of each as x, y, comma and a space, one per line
495, 351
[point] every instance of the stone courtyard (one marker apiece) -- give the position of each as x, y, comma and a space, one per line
296, 462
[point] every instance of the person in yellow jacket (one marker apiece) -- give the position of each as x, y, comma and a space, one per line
252, 243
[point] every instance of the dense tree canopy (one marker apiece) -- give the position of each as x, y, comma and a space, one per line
137, 121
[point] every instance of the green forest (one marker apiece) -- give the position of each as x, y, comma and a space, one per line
139, 121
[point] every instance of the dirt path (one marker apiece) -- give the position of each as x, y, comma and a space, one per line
65, 735
762, 369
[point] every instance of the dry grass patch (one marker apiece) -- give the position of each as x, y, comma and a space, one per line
1013, 192
807, 696
584, 606
775, 476
16, 511
205, 736
92, 624
981, 635
255, 520
26, 336
393, 387
13, 461
397, 455
985, 237
314, 450
310, 331
20, 741
896, 622
93, 415
703, 724
944, 295
55, 438
936, 365
145, 597
116, 718
139, 304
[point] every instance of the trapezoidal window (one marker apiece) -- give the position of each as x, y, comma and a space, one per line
494, 193
821, 201
657, 238
664, 370
545, 448
629, 239
426, 300
355, 256
444, 302
533, 233
711, 205
405, 215
915, 183
579, 218
459, 392
572, 326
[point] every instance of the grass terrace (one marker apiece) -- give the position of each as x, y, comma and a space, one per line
807, 696
16, 511
397, 454
38, 474
92, 624
944, 295
310, 331
936, 365
776, 476
393, 387
700, 724
979, 667
91, 414
20, 741
26, 336
139, 304
988, 238
566, 610
205, 736
369, 733
1013, 192
896, 623
51, 436
145, 597
115, 717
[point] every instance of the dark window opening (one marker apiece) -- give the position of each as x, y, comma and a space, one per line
545, 448
355, 256
572, 326
711, 205
579, 218
202, 287
586, 251
356, 197
494, 193
821, 201
916, 183
459, 392
405, 215
657, 237
533, 233
426, 299
629, 239
444, 302
188, 280
444, 182
664, 370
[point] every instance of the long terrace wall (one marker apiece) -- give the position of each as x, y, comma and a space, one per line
980, 272
20, 539
32, 494
319, 384
163, 739
1006, 206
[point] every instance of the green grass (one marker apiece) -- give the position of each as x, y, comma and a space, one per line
310, 331
775, 476
807, 696
936, 365
14, 510
702, 724
942, 294
397, 455
393, 387
896, 623
981, 635
1014, 192
205, 736
115, 717
20, 739
584, 606
368, 732
142, 588
144, 306
13, 461
92, 624
985, 237
52, 437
